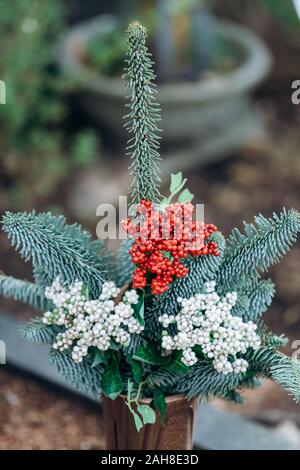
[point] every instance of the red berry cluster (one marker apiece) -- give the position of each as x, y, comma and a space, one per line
162, 239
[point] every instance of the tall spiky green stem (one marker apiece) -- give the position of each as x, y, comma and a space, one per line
143, 145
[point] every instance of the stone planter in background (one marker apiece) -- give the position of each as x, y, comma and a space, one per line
214, 113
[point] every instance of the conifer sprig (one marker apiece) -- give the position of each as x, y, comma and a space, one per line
260, 246
143, 144
55, 249
23, 291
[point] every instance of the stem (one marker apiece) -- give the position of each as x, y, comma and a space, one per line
139, 391
177, 190
137, 397
128, 403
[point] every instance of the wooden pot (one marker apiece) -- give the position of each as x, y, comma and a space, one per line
175, 434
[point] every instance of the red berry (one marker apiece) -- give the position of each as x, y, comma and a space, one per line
162, 239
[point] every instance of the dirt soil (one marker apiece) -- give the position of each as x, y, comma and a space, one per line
32, 417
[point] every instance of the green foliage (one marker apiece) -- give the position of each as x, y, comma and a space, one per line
106, 51
176, 186
233, 397
112, 384
85, 378
260, 296
142, 119
242, 306
259, 247
149, 355
142, 413
275, 341
137, 369
287, 374
269, 339
205, 381
147, 414
35, 153
100, 357
36, 331
284, 370
160, 403
23, 291
163, 378
136, 342
54, 249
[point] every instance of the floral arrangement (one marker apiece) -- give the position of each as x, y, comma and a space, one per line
167, 314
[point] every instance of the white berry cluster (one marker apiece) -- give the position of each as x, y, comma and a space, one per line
91, 322
205, 320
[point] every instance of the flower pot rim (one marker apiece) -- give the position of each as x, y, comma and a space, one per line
253, 69
168, 398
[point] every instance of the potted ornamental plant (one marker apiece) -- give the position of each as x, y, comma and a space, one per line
175, 316
206, 69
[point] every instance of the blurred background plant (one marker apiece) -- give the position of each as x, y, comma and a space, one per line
181, 38
174, 25
206, 69
37, 151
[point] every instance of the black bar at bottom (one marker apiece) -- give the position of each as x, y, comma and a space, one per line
134, 459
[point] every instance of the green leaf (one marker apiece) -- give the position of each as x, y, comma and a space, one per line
160, 403
147, 413
185, 196
139, 309
100, 357
149, 355
176, 182
198, 351
137, 420
176, 364
112, 384
137, 369
167, 254
114, 346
